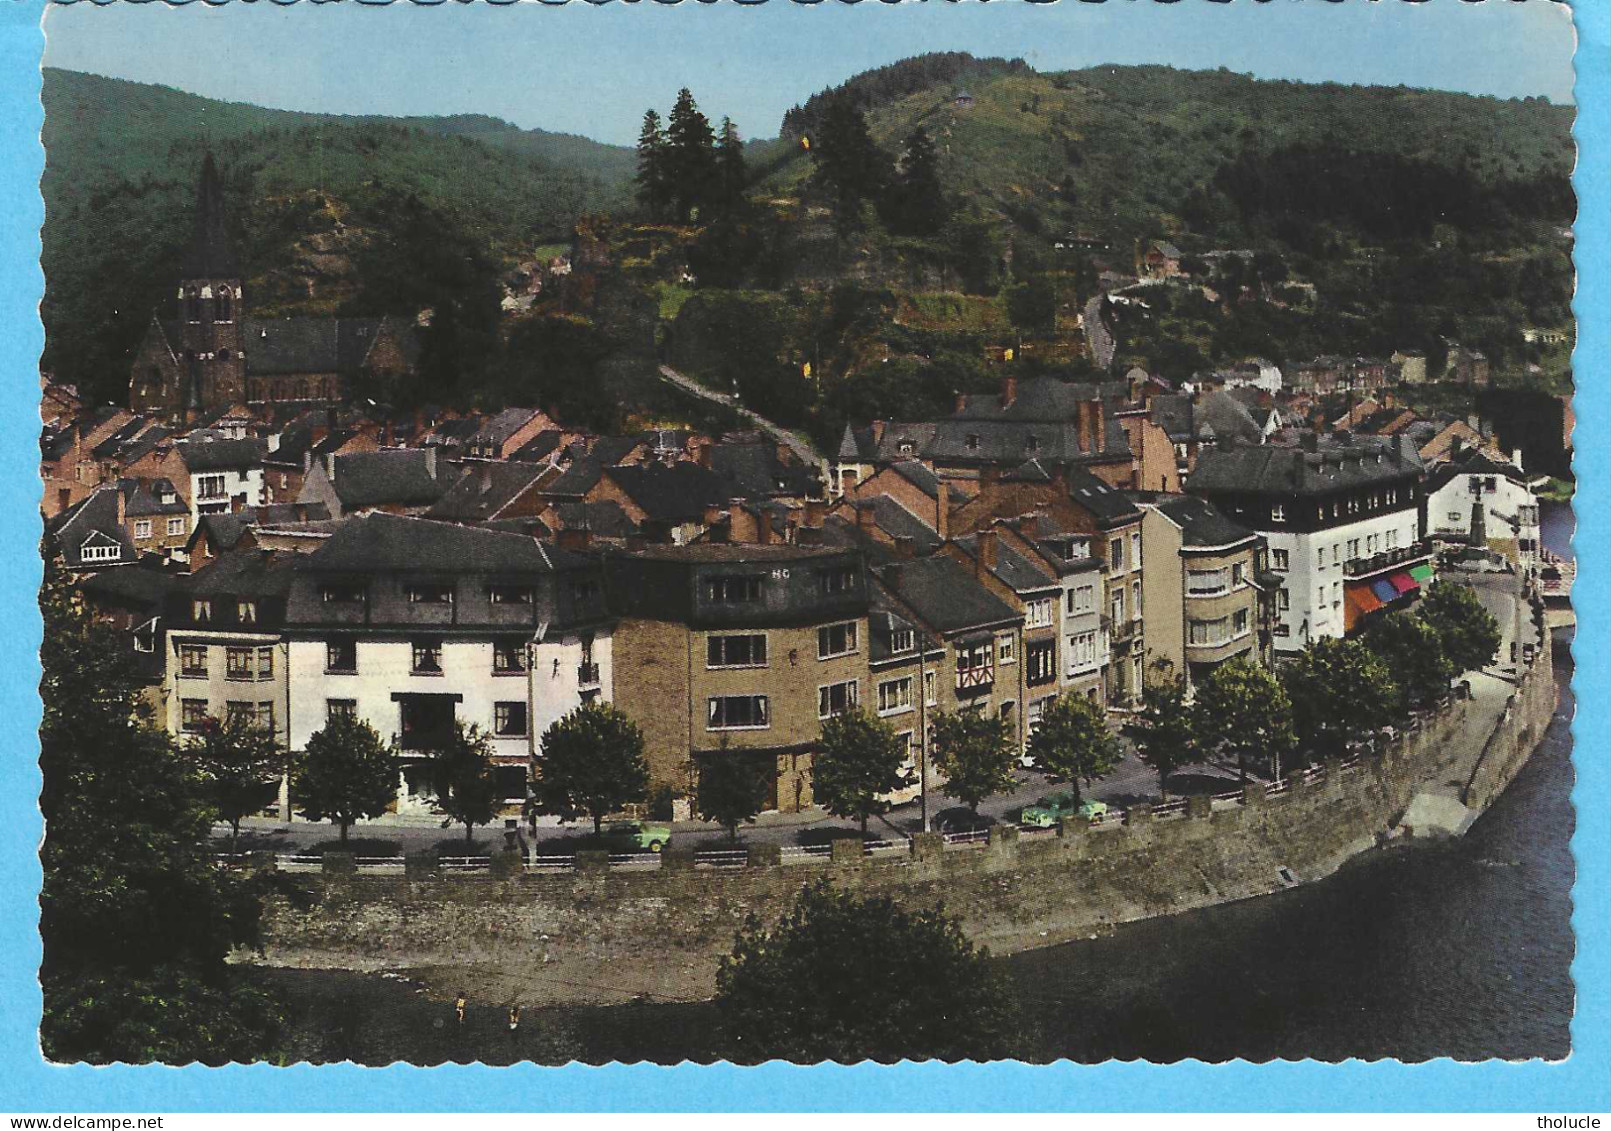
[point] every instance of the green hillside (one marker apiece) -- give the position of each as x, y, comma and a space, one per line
314, 195
1118, 149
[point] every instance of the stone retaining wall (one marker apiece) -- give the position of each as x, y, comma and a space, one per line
1012, 893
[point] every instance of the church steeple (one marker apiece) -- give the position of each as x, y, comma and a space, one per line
211, 254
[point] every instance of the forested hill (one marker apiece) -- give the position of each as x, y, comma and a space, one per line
317, 201
1118, 149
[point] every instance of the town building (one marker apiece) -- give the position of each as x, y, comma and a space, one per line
1343, 519
1473, 498
738, 651
1210, 595
415, 626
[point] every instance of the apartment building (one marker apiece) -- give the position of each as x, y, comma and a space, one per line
738, 651
1475, 498
414, 626
1210, 595
1343, 518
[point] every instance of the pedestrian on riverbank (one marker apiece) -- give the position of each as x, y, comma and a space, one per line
459, 1005
514, 1019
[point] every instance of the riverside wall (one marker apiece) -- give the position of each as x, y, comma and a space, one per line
575, 933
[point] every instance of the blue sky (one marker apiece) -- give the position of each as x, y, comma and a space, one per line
592, 70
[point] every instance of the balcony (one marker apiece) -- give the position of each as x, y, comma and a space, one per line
1124, 631
1355, 568
587, 675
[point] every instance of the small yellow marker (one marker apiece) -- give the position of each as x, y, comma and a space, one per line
805, 370
805, 143
1007, 354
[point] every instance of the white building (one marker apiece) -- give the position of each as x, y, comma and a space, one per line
1342, 520
225, 475
1508, 505
415, 626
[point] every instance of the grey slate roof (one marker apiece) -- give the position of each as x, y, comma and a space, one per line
397, 476
1201, 523
678, 493
211, 253
1041, 399
611, 450
605, 518
539, 447
92, 520
1473, 462
945, 594
222, 455
1216, 415
484, 489
502, 425
145, 498
311, 344
1269, 470
1012, 569
758, 472
246, 573
379, 541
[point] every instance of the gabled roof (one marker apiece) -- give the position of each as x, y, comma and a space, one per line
502, 425
924, 479
1012, 569
143, 497
1473, 462
945, 594
92, 521
678, 493
221, 455
1037, 399
314, 345
211, 254
385, 542
605, 518
395, 476
757, 471
539, 447
246, 573
485, 489
611, 450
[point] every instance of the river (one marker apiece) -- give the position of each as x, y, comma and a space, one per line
1459, 948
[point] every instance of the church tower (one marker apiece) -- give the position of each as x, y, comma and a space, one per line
208, 340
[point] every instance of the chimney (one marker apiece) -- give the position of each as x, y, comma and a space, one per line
1099, 426
878, 427
892, 576
704, 454
573, 538
905, 546
987, 552
816, 511
485, 479
122, 505
430, 461
713, 514
330, 466
1082, 417
274, 442
1009, 390
962, 403
989, 476
390, 435
763, 527
1028, 526
942, 511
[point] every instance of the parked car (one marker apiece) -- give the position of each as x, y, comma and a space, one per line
961, 819
1052, 808
637, 836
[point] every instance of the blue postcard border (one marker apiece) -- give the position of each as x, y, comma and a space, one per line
27, 1084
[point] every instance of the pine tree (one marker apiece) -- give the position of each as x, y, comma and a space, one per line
916, 204
727, 199
653, 177
692, 156
850, 166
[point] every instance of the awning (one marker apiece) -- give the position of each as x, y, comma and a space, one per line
1360, 602
1422, 573
1384, 590
1403, 582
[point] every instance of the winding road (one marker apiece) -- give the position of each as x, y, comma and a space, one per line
797, 443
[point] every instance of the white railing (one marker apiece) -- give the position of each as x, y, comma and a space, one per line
722, 858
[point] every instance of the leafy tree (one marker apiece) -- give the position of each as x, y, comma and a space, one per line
240, 763
346, 774
1468, 632
591, 761
463, 779
915, 204
850, 167
731, 791
848, 979
1242, 711
653, 178
974, 751
1413, 651
1072, 740
691, 156
135, 917
1164, 730
1339, 689
860, 760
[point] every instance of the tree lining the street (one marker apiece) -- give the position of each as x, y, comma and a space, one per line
346, 774
860, 761
589, 762
974, 751
1072, 740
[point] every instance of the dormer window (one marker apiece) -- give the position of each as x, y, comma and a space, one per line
342, 593
1032, 444
246, 612
1278, 513
430, 593
509, 595
837, 581
901, 640
972, 442
201, 611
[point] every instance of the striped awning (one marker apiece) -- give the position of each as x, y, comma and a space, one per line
1360, 601
1422, 573
1403, 582
1384, 590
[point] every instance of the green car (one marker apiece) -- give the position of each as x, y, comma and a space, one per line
637, 836
1055, 806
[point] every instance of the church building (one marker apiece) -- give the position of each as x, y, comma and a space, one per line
211, 356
